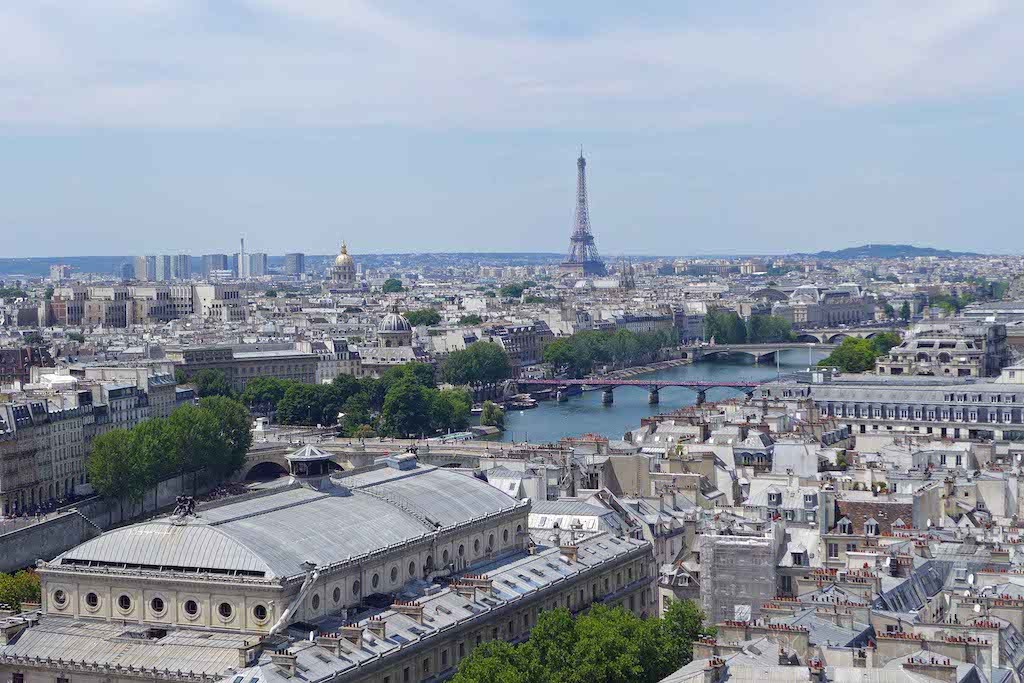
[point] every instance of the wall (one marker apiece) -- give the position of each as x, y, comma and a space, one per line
45, 540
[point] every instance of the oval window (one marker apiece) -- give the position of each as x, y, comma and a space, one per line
476, 546
412, 569
462, 550
394, 574
224, 609
260, 612
92, 600
124, 603
375, 581
157, 605
504, 536
337, 595
191, 608
60, 598
355, 587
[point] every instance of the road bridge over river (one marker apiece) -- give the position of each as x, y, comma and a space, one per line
653, 386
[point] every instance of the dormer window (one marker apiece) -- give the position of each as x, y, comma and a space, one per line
871, 527
774, 498
845, 526
810, 500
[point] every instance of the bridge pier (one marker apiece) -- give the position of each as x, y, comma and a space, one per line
702, 396
607, 397
652, 396
562, 395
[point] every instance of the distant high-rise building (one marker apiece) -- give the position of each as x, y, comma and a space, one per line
211, 262
163, 268
295, 263
243, 262
59, 273
583, 260
181, 267
145, 268
257, 265
127, 271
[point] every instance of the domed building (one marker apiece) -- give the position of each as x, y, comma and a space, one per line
394, 330
343, 272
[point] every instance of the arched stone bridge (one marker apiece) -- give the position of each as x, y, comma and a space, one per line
653, 386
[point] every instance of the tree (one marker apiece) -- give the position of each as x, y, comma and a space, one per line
450, 410
683, 623
890, 312
725, 327
423, 316
480, 362
271, 294
211, 382
19, 588
853, 355
113, 467
152, 444
885, 341
392, 285
48, 294
470, 319
768, 328
492, 415
513, 290
406, 409
198, 438
905, 311
497, 661
264, 393
76, 337
235, 431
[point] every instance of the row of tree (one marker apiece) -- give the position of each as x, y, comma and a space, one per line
858, 355
213, 436
405, 400
577, 355
602, 645
478, 363
727, 327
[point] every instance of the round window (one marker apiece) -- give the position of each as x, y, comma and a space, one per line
191, 608
60, 598
394, 574
375, 581
412, 569
337, 595
260, 612
504, 536
355, 587
124, 603
316, 602
92, 600
224, 610
157, 605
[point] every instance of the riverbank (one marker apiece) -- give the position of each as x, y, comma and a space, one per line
626, 373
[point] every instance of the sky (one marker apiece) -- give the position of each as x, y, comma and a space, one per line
169, 126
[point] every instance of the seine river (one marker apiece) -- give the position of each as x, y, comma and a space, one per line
584, 413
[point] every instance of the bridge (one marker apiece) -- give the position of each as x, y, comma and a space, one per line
760, 352
653, 386
835, 335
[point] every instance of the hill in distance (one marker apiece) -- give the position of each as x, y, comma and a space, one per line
888, 251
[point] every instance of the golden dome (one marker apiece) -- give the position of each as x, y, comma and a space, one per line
343, 259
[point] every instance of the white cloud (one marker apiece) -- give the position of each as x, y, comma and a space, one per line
172, 63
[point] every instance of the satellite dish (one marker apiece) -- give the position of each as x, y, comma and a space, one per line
970, 579
977, 608
967, 594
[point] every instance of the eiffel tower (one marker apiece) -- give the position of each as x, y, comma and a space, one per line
583, 260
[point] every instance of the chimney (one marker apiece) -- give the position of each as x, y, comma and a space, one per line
286, 661
569, 551
413, 610
377, 627
464, 590
353, 634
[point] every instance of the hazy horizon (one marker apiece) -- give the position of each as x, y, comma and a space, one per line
163, 126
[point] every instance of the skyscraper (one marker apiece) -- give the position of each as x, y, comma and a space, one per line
163, 268
211, 262
583, 260
181, 266
145, 268
295, 263
257, 265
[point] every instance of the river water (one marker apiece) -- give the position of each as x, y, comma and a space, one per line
584, 413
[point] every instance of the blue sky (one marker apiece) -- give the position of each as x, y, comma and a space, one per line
158, 126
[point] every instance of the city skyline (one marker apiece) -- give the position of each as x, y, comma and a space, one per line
707, 131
